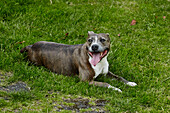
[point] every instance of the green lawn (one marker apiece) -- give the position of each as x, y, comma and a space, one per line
139, 54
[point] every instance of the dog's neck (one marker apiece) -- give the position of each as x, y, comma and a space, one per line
101, 67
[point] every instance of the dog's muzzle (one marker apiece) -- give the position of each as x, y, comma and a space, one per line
96, 55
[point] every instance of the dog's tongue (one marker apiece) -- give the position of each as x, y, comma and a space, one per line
95, 59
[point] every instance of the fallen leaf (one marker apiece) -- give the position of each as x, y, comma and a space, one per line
133, 22
66, 34
20, 42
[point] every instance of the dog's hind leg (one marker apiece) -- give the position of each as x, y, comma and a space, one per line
103, 84
121, 79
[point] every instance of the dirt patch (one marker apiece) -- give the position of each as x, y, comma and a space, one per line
57, 101
14, 87
77, 104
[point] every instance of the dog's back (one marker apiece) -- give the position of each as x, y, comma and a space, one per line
53, 56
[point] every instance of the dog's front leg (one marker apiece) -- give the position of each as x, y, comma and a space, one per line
121, 79
87, 75
103, 84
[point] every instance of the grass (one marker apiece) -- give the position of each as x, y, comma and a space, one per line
139, 54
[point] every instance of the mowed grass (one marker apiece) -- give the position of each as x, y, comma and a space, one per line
139, 54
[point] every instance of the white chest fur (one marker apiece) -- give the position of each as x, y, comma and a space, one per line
101, 67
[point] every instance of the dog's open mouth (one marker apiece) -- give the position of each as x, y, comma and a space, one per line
97, 56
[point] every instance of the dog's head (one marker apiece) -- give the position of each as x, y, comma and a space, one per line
98, 46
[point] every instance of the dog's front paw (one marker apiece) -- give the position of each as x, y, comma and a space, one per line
131, 83
114, 88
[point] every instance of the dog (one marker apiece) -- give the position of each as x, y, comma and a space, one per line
86, 60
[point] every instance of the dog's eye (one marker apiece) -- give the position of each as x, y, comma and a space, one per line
90, 40
102, 40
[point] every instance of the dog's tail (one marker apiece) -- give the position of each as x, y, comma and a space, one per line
25, 49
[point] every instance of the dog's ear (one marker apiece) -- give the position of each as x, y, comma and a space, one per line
90, 33
107, 34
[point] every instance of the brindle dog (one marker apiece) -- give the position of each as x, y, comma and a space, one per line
87, 60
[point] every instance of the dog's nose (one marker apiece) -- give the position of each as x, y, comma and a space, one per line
95, 47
